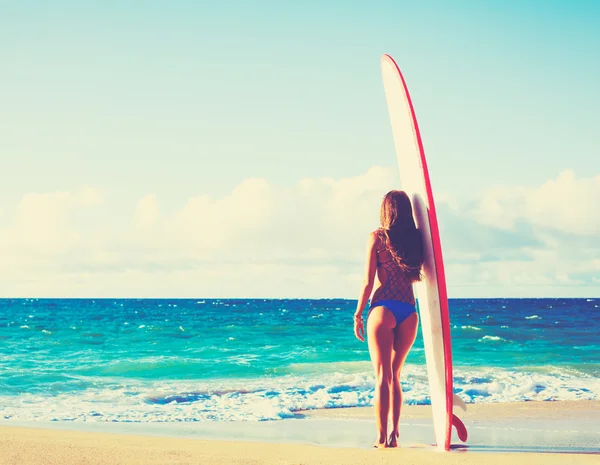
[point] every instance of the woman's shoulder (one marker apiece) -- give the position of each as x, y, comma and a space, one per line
376, 234
375, 237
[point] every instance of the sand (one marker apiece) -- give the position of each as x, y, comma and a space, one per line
32, 445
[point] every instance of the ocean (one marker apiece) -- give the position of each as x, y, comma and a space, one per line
142, 360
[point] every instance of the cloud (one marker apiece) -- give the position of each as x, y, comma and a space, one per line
42, 226
147, 213
260, 239
565, 204
306, 240
529, 239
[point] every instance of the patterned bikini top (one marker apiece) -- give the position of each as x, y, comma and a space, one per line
394, 283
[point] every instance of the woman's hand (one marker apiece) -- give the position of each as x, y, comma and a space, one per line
367, 287
359, 328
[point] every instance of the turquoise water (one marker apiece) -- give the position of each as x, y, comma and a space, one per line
198, 360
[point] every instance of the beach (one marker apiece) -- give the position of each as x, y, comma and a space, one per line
248, 232
523, 423
87, 381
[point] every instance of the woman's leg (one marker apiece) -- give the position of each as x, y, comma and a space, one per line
404, 338
380, 332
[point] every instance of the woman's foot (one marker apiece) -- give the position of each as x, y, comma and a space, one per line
393, 440
380, 443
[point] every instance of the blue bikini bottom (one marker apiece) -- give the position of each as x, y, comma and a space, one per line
400, 310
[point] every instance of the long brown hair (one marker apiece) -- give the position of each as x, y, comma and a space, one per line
400, 234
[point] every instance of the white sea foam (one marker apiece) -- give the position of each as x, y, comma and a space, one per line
333, 385
533, 317
492, 338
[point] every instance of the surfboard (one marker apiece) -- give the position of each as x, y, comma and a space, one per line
431, 294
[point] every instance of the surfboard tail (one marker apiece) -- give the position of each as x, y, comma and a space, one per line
461, 429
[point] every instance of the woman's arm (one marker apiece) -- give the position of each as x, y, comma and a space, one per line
369, 278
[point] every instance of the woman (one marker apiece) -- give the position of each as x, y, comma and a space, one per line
395, 255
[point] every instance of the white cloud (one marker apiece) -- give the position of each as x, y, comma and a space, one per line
147, 213
42, 226
536, 240
261, 239
264, 240
565, 204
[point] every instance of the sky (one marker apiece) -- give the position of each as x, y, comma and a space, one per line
242, 149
